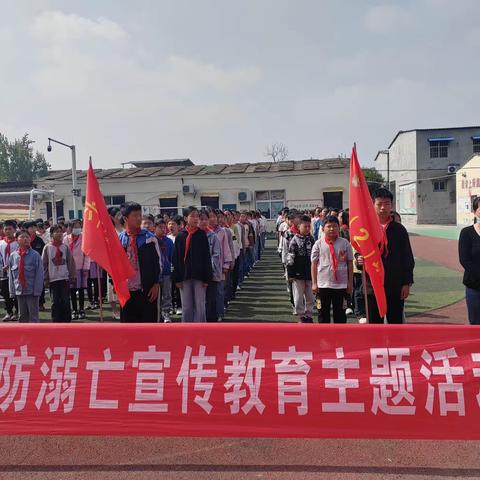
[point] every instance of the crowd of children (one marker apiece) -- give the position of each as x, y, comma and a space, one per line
319, 261
189, 265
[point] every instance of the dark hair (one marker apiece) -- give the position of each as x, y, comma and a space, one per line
476, 203
28, 224
112, 211
160, 221
305, 219
10, 223
345, 217
293, 214
331, 219
21, 232
149, 217
128, 207
187, 211
204, 212
55, 228
382, 193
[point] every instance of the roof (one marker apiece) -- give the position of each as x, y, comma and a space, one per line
182, 162
200, 170
400, 132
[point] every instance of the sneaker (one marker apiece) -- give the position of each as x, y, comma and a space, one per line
220, 319
179, 311
81, 315
362, 320
14, 317
167, 319
116, 316
6, 318
74, 315
348, 311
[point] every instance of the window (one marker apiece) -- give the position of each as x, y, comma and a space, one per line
439, 148
169, 206
114, 200
209, 201
229, 206
71, 214
333, 199
439, 186
476, 145
270, 202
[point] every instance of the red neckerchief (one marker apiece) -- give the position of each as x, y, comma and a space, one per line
385, 238
294, 229
8, 249
32, 237
73, 241
58, 253
190, 233
132, 235
21, 266
333, 256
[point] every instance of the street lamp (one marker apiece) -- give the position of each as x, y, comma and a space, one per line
75, 190
387, 153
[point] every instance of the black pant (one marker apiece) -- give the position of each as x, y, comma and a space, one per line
358, 295
92, 290
81, 298
10, 302
394, 309
60, 297
211, 302
332, 297
235, 278
139, 309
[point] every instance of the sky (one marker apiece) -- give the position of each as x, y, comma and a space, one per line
217, 81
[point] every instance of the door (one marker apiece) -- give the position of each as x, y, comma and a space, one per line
333, 200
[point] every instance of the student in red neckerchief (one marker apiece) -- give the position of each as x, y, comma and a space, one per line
332, 271
397, 259
192, 267
26, 278
37, 244
59, 273
7, 246
142, 250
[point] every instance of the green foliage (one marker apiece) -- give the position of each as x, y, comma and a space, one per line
19, 162
373, 178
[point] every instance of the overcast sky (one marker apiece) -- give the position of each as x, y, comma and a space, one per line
218, 80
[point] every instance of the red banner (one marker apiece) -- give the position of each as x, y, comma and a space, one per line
241, 380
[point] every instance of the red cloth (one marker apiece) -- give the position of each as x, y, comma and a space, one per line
333, 256
100, 240
190, 232
58, 253
366, 233
132, 235
73, 241
7, 248
21, 266
385, 238
294, 229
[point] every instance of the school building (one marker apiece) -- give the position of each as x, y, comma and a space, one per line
468, 187
421, 165
169, 185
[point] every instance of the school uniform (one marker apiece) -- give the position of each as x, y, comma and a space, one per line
192, 266
299, 269
469, 253
59, 273
142, 252
226, 259
211, 308
26, 283
166, 250
6, 249
38, 244
82, 266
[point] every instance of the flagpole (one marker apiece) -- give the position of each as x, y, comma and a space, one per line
364, 283
100, 296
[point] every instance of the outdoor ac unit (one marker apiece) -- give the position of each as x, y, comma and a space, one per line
244, 197
188, 190
451, 169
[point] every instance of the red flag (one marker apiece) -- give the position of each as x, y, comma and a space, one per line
366, 232
100, 239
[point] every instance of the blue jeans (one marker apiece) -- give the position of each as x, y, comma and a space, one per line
193, 301
473, 305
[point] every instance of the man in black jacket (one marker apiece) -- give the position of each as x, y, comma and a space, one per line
192, 267
142, 250
397, 259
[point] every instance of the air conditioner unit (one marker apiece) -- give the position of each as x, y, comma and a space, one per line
244, 197
188, 190
451, 169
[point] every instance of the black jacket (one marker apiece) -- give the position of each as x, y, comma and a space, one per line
298, 257
37, 244
398, 260
198, 263
469, 253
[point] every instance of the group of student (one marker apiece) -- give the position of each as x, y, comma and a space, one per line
322, 269
190, 265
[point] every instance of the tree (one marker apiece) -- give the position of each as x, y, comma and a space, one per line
19, 162
373, 178
278, 152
